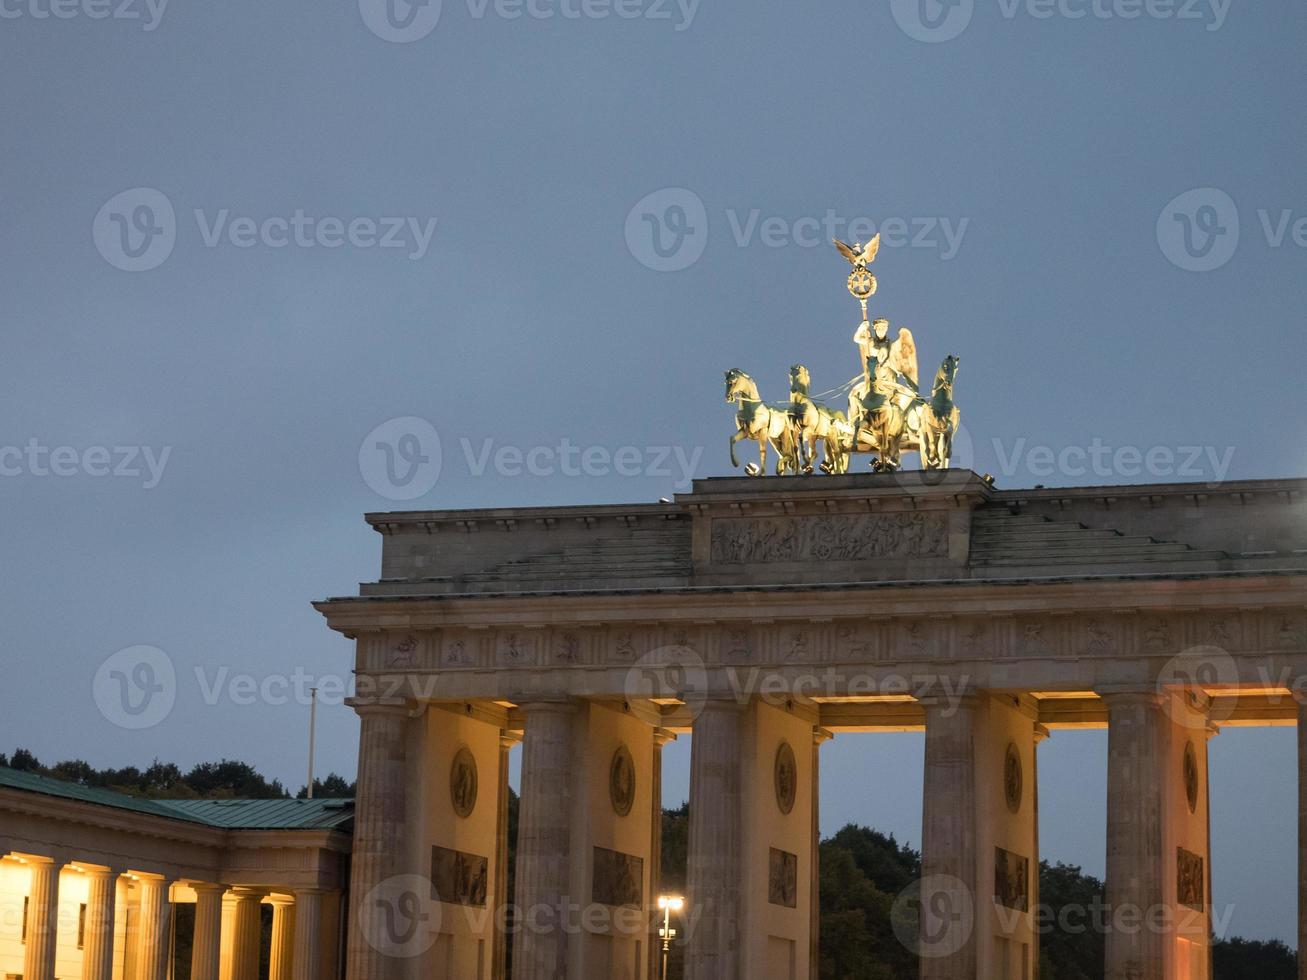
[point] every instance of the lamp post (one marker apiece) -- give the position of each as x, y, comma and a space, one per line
668, 904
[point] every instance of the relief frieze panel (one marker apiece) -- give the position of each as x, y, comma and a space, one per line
827, 538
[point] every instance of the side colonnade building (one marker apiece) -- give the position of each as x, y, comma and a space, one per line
90, 880
762, 618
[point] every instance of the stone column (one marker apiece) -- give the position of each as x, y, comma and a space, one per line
820, 737
152, 930
661, 737
42, 919
544, 833
499, 963
206, 944
97, 945
282, 948
379, 832
716, 822
247, 930
1134, 832
306, 957
1302, 838
948, 842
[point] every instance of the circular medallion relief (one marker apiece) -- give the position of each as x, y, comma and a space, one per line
1191, 777
787, 777
463, 783
1013, 778
621, 781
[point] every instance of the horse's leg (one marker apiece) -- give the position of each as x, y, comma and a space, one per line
740, 434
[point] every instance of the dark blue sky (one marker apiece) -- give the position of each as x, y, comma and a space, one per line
1031, 169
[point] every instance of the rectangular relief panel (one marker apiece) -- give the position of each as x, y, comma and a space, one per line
1190, 885
783, 879
617, 878
1011, 880
458, 878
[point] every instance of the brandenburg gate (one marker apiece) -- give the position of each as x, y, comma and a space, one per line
763, 616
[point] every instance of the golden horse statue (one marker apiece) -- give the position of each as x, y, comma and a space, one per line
765, 424
815, 422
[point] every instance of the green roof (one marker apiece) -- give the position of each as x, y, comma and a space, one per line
273, 814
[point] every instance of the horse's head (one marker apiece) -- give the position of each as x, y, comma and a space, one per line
947, 372
738, 384
799, 379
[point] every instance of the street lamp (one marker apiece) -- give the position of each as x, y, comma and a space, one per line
668, 904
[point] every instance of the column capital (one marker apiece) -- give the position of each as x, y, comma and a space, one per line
662, 736
247, 892
1130, 694
382, 707
281, 899
820, 736
206, 888
546, 702
1042, 733
508, 739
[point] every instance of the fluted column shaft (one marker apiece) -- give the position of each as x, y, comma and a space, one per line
544, 858
1302, 838
714, 873
306, 960
949, 895
661, 737
152, 930
97, 946
820, 737
206, 944
379, 833
282, 949
247, 931
499, 961
42, 920
1134, 832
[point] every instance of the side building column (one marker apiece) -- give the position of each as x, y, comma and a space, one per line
152, 933
379, 833
820, 737
97, 946
206, 945
716, 820
306, 959
544, 858
42, 919
241, 945
282, 949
